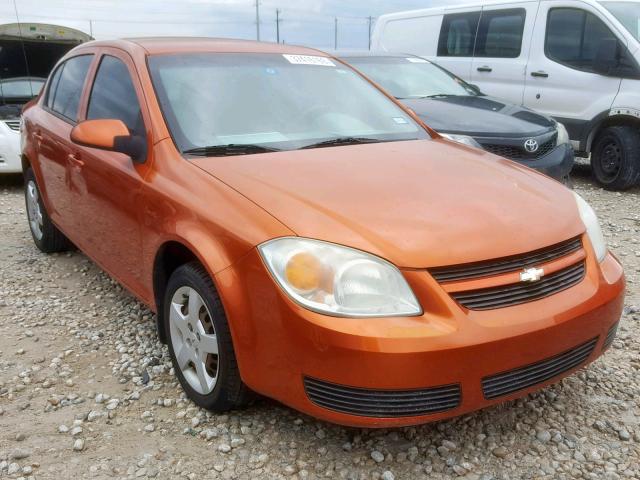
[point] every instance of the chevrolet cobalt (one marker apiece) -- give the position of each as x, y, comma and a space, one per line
302, 235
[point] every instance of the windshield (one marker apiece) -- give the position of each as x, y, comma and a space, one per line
411, 77
21, 88
281, 102
628, 14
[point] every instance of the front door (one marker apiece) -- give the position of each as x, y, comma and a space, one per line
108, 184
561, 80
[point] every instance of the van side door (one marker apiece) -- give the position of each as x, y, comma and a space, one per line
502, 49
457, 40
561, 80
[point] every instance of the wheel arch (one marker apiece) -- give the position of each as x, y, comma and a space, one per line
609, 121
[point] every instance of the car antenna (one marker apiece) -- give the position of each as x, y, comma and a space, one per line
24, 49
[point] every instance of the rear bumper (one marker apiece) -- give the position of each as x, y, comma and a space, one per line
282, 348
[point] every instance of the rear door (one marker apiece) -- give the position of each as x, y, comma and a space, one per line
502, 49
107, 185
457, 40
52, 130
560, 79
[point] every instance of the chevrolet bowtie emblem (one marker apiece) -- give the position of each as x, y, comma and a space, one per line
531, 275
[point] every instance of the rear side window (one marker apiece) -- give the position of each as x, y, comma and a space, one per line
573, 37
66, 86
458, 34
113, 95
500, 33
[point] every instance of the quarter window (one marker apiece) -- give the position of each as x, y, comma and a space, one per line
573, 37
458, 34
114, 97
66, 86
500, 34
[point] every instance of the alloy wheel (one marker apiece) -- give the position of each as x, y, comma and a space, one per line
194, 340
33, 210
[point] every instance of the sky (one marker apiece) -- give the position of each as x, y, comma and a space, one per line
303, 22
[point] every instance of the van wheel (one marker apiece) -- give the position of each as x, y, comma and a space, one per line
45, 234
615, 160
200, 342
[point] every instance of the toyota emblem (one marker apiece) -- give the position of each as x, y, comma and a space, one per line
531, 145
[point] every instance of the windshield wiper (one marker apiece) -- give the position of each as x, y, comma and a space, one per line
342, 141
229, 149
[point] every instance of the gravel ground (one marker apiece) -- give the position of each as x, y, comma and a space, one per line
86, 391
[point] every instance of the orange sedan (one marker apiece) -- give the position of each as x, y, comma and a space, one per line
302, 235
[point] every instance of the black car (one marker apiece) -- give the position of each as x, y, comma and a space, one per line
460, 112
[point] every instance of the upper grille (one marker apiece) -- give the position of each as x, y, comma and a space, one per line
611, 336
382, 403
514, 152
517, 293
506, 264
509, 382
13, 124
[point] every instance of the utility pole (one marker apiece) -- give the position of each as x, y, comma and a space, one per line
91, 28
258, 20
370, 19
335, 33
277, 25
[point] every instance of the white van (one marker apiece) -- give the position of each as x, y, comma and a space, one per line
575, 60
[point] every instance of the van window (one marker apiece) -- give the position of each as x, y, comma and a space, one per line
66, 86
573, 37
458, 34
500, 33
113, 95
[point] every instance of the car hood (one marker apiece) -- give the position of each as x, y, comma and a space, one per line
417, 203
479, 116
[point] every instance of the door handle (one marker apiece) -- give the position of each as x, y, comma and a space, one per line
485, 69
540, 74
38, 136
75, 160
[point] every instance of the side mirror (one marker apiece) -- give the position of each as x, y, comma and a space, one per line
607, 56
111, 135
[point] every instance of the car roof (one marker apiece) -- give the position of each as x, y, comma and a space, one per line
168, 45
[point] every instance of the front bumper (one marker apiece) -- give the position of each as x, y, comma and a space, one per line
556, 164
10, 161
279, 344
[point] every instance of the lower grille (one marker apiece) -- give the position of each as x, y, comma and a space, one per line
517, 293
514, 380
516, 153
382, 403
611, 336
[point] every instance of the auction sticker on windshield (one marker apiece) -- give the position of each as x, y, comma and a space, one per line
309, 60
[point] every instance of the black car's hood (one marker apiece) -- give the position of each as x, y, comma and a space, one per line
479, 116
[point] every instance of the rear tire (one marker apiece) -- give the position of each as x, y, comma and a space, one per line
200, 341
45, 234
615, 160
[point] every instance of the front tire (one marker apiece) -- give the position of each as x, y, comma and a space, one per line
200, 341
615, 158
45, 234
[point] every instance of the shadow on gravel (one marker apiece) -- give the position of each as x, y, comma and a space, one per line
11, 181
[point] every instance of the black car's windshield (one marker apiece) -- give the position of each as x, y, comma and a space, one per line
216, 102
411, 77
628, 14
21, 87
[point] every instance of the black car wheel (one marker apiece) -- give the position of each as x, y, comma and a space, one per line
616, 158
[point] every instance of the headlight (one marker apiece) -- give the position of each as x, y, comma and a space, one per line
594, 231
338, 281
563, 135
464, 139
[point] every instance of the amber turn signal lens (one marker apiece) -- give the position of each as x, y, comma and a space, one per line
304, 272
